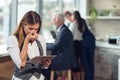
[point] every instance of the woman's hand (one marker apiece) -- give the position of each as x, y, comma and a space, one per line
46, 63
33, 35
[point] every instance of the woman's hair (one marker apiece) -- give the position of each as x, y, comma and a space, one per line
30, 18
67, 13
78, 18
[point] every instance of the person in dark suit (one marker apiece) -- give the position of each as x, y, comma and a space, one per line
88, 52
62, 47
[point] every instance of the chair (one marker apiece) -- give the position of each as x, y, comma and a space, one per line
68, 74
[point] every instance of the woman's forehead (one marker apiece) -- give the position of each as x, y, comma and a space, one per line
34, 25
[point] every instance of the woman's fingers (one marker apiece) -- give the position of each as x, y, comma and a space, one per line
32, 36
46, 63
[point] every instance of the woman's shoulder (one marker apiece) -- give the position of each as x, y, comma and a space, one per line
12, 37
74, 23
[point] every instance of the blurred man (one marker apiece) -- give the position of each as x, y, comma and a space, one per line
62, 47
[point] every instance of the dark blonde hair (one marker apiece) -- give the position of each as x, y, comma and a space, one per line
67, 13
30, 18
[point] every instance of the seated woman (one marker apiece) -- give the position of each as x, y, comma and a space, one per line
26, 43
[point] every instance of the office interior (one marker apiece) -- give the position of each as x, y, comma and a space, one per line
102, 17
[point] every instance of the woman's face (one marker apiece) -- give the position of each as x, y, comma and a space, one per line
72, 17
29, 28
68, 17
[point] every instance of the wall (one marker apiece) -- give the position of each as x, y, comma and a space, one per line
105, 4
103, 27
106, 27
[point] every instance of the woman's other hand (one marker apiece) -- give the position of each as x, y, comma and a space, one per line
46, 63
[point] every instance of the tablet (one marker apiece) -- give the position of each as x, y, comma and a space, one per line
39, 59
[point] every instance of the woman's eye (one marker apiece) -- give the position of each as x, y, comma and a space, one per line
30, 28
36, 29
33, 29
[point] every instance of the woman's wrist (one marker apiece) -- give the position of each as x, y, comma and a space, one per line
26, 41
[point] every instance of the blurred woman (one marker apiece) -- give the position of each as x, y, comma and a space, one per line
25, 44
77, 28
84, 44
68, 19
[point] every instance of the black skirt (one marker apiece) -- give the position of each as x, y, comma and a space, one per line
78, 50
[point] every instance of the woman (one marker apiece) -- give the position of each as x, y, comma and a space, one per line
84, 43
67, 15
77, 29
26, 43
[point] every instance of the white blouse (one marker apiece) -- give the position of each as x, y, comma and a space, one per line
33, 51
77, 35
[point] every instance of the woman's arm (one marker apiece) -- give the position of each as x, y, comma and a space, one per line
13, 50
23, 53
19, 57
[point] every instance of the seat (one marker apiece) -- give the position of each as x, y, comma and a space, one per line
68, 74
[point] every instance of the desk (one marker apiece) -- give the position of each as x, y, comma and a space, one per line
6, 68
6, 64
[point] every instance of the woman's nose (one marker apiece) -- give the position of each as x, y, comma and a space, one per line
34, 30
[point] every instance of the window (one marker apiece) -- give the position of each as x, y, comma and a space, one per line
25, 6
50, 7
4, 24
4, 20
69, 5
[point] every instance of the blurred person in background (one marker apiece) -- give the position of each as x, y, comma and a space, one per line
77, 30
62, 47
68, 19
84, 44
